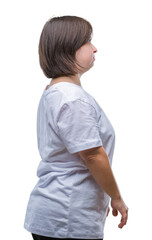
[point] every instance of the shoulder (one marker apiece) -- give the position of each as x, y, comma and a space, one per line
62, 94
68, 97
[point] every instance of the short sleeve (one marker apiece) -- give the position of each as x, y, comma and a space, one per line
78, 127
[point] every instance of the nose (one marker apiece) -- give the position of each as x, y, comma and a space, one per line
94, 48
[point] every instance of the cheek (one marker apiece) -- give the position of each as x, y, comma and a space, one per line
84, 57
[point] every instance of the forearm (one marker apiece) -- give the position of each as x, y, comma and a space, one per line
100, 169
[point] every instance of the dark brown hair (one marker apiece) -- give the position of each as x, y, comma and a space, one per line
61, 37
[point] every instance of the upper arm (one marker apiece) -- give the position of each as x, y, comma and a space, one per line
78, 126
92, 153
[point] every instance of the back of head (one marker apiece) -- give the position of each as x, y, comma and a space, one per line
61, 37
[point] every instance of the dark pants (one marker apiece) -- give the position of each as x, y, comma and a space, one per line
38, 237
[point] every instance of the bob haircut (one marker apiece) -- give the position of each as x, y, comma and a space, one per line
61, 37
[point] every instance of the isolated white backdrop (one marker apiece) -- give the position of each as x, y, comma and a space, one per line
120, 81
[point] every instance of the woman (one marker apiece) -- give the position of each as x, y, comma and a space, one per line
75, 141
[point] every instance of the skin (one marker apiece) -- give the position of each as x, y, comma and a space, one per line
85, 56
97, 162
96, 159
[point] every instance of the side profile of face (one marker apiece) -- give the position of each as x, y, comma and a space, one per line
85, 56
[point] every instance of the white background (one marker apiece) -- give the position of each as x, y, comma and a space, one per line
120, 81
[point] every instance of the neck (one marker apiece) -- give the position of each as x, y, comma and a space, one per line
73, 79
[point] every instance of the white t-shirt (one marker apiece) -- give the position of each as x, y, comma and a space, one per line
67, 202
